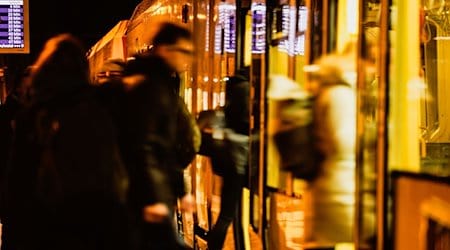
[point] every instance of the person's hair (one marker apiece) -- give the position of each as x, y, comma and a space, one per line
62, 64
169, 33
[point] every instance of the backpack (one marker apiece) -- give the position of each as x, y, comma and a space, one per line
227, 149
296, 140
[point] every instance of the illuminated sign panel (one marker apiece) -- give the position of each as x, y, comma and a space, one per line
293, 34
14, 27
259, 28
225, 31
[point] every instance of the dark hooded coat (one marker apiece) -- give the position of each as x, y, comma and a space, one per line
66, 184
159, 137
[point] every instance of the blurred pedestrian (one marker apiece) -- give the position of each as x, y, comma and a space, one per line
8, 112
225, 139
159, 137
330, 197
66, 185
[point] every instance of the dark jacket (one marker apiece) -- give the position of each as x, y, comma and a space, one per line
8, 111
67, 184
154, 148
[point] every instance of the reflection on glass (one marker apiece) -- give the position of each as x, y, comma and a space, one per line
435, 110
367, 116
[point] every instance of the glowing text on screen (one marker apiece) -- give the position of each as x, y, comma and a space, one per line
12, 30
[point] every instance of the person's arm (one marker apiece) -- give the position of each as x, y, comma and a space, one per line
154, 128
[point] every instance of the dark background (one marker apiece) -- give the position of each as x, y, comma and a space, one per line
89, 20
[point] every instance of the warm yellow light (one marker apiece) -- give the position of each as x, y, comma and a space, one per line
352, 17
201, 16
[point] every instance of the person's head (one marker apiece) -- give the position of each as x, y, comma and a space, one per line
174, 44
332, 69
237, 103
62, 64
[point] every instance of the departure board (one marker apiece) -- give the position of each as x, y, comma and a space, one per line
14, 26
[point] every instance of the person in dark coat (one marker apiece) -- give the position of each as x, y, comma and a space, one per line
159, 137
225, 139
66, 183
8, 112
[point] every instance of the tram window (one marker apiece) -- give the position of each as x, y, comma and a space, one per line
435, 108
277, 26
429, 120
283, 30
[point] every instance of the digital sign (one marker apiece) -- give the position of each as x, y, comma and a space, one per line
292, 33
225, 30
302, 24
14, 26
258, 28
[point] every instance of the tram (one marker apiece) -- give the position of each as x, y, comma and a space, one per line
401, 86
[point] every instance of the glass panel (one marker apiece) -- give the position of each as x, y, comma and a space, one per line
435, 110
368, 97
286, 52
286, 62
420, 109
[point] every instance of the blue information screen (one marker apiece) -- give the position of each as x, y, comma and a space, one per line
12, 24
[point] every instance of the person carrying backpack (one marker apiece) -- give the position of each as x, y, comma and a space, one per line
225, 139
330, 197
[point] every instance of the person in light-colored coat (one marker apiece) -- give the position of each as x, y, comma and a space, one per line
330, 198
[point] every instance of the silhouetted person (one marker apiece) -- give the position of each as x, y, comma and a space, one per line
159, 137
225, 139
66, 183
8, 112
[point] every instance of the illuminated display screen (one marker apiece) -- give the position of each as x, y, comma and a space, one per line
14, 26
300, 39
258, 28
225, 31
295, 34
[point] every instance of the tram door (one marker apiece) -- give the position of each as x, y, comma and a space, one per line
412, 133
215, 41
300, 32
287, 55
419, 128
